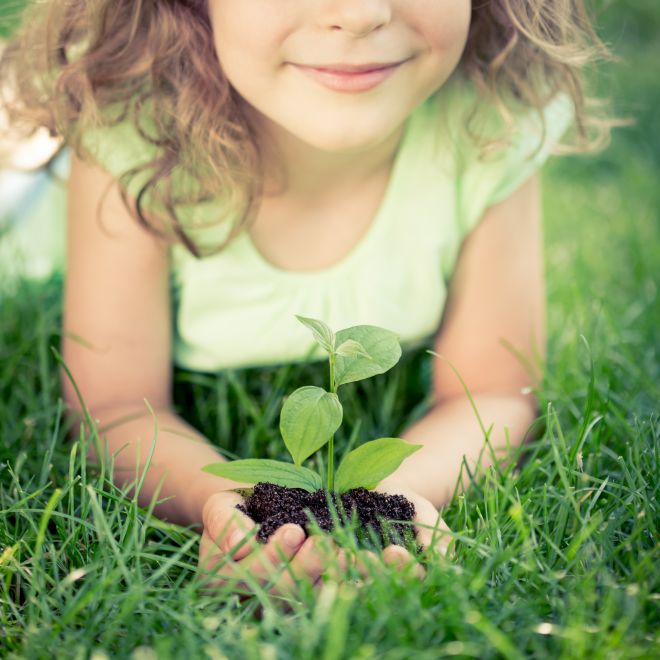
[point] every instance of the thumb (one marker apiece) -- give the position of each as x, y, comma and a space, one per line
226, 526
432, 531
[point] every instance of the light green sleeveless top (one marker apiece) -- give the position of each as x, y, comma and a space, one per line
235, 309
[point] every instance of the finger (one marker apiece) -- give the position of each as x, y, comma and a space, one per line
211, 558
229, 528
269, 559
367, 563
399, 558
221, 571
211, 561
318, 556
207, 549
338, 571
261, 565
442, 540
432, 531
336, 568
434, 535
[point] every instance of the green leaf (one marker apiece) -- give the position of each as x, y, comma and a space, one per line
370, 463
254, 470
324, 336
351, 348
380, 351
309, 417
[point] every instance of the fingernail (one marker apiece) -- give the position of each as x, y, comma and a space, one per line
293, 537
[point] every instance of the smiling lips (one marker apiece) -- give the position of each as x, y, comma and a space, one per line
349, 78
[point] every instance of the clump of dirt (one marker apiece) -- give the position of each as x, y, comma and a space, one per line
273, 506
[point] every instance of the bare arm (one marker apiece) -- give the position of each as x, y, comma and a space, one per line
117, 343
496, 302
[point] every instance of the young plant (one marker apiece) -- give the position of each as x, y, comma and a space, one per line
311, 416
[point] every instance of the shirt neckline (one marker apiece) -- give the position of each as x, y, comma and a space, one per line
364, 244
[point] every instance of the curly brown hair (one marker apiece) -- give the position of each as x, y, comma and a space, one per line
81, 64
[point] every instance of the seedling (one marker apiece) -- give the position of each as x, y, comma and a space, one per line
311, 415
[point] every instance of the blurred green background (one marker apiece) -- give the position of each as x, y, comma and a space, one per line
10, 11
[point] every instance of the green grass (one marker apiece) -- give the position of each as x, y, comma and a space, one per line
557, 558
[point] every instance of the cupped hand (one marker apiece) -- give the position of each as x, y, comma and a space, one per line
229, 554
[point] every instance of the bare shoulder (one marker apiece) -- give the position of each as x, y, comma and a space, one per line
116, 304
493, 329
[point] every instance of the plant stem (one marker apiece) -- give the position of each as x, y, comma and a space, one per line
331, 442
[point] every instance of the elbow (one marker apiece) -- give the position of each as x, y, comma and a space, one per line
92, 408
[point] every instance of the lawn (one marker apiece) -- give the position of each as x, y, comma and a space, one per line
556, 558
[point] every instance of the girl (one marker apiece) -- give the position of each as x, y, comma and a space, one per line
237, 162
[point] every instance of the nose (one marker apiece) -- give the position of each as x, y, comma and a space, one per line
356, 17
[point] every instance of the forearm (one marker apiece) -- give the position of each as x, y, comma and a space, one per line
450, 433
175, 470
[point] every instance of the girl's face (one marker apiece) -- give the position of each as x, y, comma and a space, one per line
341, 75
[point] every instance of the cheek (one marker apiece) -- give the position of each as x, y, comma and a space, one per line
245, 33
444, 25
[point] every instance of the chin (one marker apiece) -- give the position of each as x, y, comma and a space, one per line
341, 146
349, 141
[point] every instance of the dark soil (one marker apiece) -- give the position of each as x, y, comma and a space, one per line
273, 506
